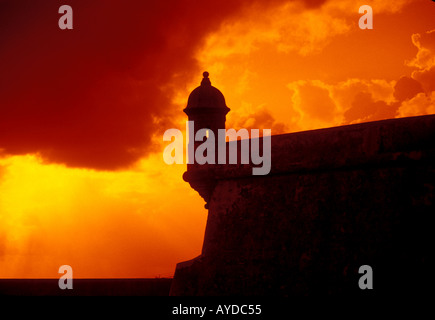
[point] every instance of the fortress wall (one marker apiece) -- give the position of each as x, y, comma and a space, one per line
335, 199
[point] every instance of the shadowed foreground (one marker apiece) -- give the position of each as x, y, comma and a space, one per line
86, 287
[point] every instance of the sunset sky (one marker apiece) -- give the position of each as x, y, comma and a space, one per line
83, 111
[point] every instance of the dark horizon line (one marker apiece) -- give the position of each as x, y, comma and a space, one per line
74, 278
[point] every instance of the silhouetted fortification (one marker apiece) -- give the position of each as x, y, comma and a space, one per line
206, 107
335, 199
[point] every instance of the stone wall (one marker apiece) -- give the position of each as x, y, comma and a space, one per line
335, 199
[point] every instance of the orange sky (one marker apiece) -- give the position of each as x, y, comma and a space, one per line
83, 112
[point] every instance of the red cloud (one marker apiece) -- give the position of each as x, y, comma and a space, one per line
87, 97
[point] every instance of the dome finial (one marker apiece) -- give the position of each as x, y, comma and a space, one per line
205, 80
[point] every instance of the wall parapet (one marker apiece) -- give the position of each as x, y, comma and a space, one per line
366, 144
